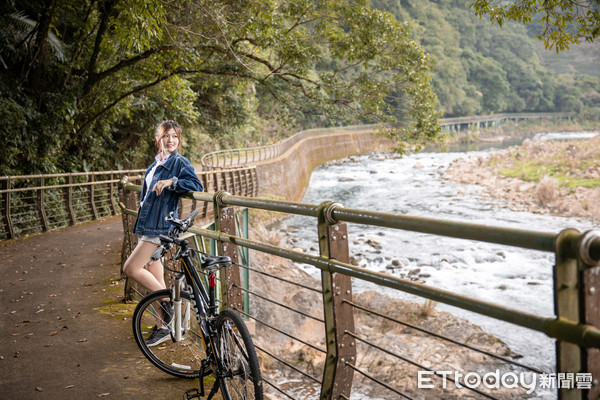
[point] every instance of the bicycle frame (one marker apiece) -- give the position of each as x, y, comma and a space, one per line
219, 345
205, 303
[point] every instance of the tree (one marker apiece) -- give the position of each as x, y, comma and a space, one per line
129, 63
563, 22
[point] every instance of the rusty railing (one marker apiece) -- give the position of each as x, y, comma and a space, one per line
333, 361
39, 203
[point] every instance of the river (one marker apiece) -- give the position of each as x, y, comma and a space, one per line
415, 185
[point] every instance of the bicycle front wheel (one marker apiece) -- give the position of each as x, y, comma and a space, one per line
182, 358
242, 379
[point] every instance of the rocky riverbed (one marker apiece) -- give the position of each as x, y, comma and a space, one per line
409, 350
554, 177
529, 177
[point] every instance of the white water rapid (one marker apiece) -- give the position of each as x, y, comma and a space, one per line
415, 185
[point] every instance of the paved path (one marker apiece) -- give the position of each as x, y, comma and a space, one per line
64, 331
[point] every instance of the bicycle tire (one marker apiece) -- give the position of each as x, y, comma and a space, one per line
242, 379
182, 359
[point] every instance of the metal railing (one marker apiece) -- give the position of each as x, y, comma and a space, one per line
499, 118
243, 156
236, 157
344, 345
39, 203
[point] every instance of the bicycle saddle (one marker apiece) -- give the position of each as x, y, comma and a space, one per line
209, 261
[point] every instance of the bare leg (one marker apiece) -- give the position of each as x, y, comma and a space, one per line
157, 270
151, 278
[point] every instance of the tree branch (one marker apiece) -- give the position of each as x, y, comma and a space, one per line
126, 63
106, 13
158, 80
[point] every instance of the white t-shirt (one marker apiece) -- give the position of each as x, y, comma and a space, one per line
150, 175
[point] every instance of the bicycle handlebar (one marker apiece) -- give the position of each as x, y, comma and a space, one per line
179, 226
182, 225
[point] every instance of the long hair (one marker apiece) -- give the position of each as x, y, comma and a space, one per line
163, 128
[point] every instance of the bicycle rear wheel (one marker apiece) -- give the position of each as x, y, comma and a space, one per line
182, 358
242, 378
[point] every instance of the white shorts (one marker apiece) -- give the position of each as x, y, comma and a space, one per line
151, 239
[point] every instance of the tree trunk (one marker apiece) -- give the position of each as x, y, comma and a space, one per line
34, 70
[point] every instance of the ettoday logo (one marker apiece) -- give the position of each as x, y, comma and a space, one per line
507, 380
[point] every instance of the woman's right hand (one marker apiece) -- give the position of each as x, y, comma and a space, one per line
161, 185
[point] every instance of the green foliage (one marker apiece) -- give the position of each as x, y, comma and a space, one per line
563, 23
483, 68
86, 87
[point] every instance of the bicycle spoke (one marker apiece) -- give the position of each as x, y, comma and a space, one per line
240, 366
182, 358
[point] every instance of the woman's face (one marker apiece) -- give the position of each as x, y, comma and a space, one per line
169, 142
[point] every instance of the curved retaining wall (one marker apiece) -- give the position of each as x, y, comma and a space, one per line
287, 176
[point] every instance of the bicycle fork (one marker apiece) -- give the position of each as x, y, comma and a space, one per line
181, 314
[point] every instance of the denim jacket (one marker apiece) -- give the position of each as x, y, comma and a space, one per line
154, 209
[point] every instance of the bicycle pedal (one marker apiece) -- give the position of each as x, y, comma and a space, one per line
193, 394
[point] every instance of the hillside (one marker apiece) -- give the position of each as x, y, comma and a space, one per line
482, 68
583, 59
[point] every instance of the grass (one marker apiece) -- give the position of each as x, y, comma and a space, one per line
570, 163
534, 172
117, 309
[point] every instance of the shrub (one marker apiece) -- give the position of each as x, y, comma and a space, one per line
428, 307
546, 191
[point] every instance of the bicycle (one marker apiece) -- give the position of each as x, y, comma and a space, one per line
201, 341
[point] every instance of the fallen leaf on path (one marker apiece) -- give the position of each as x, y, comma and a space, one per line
103, 394
69, 387
82, 340
39, 389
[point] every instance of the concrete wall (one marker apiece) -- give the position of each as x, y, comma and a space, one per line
287, 176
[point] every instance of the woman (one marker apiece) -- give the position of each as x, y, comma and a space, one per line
169, 176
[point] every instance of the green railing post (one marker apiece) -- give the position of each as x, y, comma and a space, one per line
230, 276
242, 229
338, 314
566, 304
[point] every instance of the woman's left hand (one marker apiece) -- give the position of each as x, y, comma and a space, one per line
160, 185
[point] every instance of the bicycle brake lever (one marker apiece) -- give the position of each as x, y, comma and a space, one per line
170, 217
